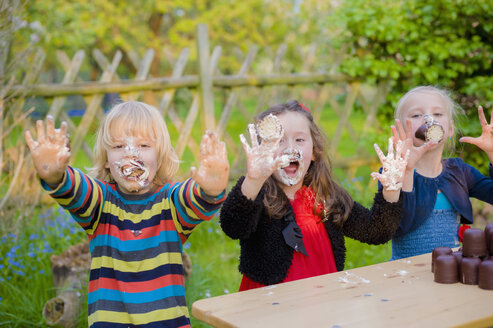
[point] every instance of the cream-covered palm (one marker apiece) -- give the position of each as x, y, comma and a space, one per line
213, 172
393, 165
50, 151
261, 160
485, 140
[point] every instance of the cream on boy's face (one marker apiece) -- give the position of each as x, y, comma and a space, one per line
133, 163
425, 103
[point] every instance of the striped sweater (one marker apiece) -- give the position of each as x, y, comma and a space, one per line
136, 276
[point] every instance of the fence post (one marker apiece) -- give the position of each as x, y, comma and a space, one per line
205, 78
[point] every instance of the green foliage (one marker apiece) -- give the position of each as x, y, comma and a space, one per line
444, 42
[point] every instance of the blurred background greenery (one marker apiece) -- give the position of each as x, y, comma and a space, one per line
416, 42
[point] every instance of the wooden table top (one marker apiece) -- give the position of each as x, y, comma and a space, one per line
400, 293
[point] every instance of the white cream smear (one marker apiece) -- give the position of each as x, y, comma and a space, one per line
132, 167
291, 157
393, 168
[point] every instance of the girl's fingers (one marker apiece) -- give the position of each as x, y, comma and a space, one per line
395, 133
380, 154
482, 118
253, 135
379, 177
390, 148
400, 129
469, 140
409, 130
244, 144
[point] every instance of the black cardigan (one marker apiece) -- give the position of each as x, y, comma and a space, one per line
265, 257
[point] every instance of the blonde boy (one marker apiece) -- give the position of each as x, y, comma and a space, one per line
135, 217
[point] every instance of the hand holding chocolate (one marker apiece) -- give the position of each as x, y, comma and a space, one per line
431, 130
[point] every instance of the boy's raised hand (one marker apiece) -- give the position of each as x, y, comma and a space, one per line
213, 172
50, 152
485, 140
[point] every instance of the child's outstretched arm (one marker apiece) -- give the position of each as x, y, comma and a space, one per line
50, 152
260, 162
485, 140
394, 166
213, 173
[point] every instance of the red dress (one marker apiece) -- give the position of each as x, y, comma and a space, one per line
320, 259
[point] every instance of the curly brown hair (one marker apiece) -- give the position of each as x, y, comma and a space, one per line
337, 201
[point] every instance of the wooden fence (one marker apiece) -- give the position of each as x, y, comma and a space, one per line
215, 101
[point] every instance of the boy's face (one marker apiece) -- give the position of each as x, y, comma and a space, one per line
132, 161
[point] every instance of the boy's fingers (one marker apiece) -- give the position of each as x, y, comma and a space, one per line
50, 127
40, 130
29, 140
62, 132
205, 145
193, 172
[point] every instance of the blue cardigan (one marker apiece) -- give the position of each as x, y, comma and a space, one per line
458, 181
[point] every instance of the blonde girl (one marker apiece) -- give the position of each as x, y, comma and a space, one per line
436, 190
135, 216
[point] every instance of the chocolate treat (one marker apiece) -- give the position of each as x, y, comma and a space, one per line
485, 280
270, 128
488, 231
474, 243
437, 251
469, 270
458, 257
446, 269
430, 132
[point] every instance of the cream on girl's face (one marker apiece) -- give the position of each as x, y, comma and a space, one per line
297, 144
133, 163
420, 104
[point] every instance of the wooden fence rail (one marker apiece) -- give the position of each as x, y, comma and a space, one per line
207, 91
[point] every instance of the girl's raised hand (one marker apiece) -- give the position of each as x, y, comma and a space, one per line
213, 172
260, 157
406, 137
393, 165
485, 140
50, 152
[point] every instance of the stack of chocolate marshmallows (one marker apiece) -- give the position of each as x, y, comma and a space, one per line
472, 264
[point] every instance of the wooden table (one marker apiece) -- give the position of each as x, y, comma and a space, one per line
400, 293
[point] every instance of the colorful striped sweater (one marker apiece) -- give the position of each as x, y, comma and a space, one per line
136, 276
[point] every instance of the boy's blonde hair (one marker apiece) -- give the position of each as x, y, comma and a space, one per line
452, 107
134, 118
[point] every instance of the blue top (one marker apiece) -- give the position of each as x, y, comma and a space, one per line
458, 181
